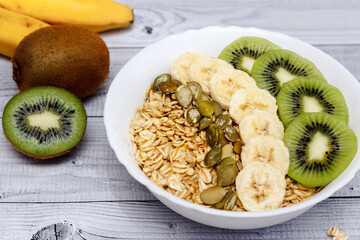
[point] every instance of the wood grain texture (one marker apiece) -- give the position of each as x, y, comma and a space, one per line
92, 190
317, 22
137, 220
90, 172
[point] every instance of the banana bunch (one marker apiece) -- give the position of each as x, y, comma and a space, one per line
20, 17
14, 27
265, 159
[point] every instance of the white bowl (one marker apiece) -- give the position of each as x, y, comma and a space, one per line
128, 89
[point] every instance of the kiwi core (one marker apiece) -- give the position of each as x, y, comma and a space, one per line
310, 104
318, 146
44, 120
247, 63
284, 76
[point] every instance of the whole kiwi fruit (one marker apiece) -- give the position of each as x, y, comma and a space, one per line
64, 56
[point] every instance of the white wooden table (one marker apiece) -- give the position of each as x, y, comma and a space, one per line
90, 189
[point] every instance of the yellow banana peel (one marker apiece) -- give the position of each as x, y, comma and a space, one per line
97, 15
13, 28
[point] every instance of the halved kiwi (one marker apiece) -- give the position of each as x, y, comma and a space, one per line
243, 52
320, 146
308, 94
272, 69
44, 122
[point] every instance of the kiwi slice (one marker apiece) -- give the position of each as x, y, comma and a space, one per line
44, 122
243, 52
272, 69
320, 146
308, 94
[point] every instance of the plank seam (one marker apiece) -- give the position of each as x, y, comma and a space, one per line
134, 201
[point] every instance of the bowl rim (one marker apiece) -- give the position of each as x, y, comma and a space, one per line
158, 191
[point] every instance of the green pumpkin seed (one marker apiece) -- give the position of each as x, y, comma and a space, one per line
212, 135
205, 122
237, 147
225, 162
231, 134
222, 139
222, 121
202, 97
184, 96
213, 156
212, 195
217, 108
227, 151
227, 175
221, 204
193, 115
165, 77
167, 87
230, 201
206, 108
195, 88
177, 82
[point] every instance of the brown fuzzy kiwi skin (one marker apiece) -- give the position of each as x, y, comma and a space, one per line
65, 56
44, 157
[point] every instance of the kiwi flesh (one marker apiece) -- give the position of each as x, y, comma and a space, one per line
275, 67
64, 56
243, 52
320, 146
308, 94
44, 122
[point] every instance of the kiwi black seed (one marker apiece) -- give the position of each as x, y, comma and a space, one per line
243, 52
275, 67
320, 146
307, 94
44, 122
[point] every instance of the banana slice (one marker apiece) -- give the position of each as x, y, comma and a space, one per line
266, 149
224, 83
261, 123
202, 70
260, 187
180, 66
244, 101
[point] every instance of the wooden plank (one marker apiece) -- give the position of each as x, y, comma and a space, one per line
318, 22
90, 173
152, 220
92, 190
